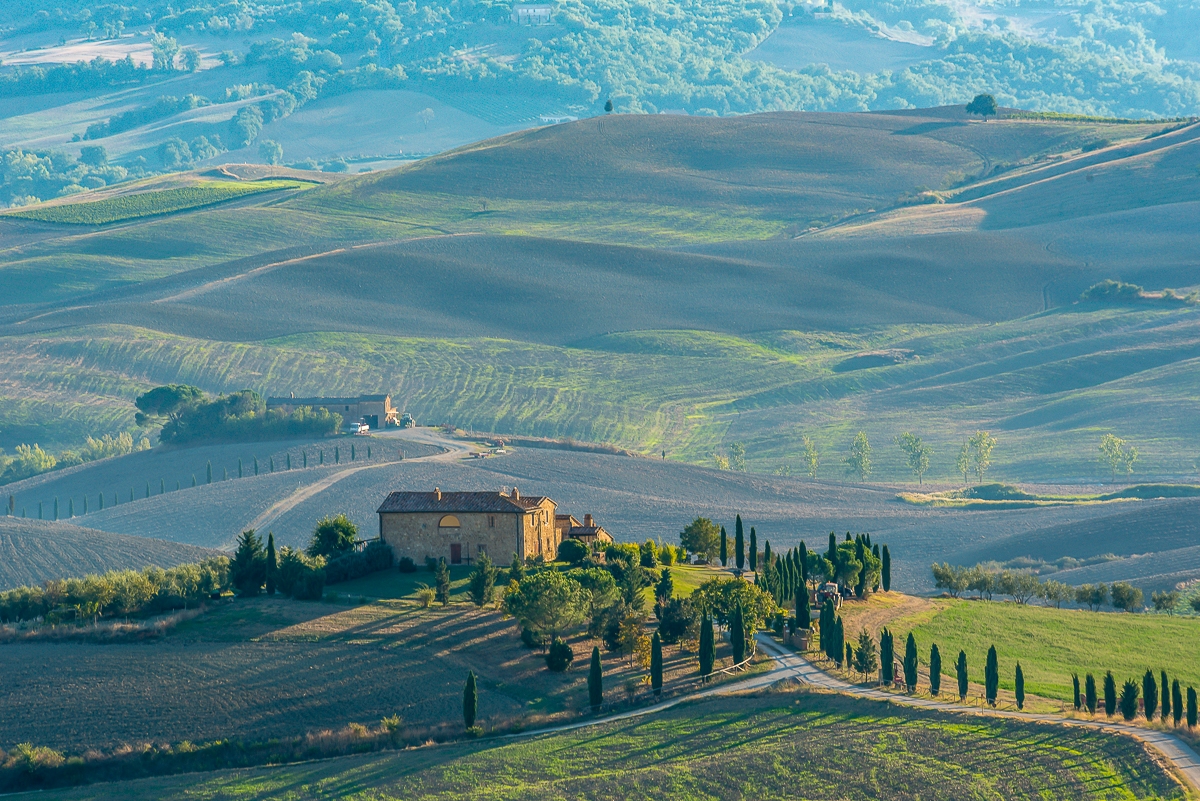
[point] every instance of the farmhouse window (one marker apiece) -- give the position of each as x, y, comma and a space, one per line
449, 521
491, 523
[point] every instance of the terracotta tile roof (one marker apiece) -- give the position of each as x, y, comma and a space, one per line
451, 502
533, 501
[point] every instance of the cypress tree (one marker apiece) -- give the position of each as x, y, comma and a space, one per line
147, 489
240, 467
1176, 702
656, 664
1089, 690
753, 551
208, 469
162, 486
849, 656
1077, 698
1165, 711
991, 676
226, 472
831, 554
825, 625
839, 639
352, 451
271, 464
737, 635
193, 479
802, 558
910, 663
321, 457
960, 670
708, 647
885, 577
739, 546
177, 485
766, 552
102, 502
70, 507
368, 451
442, 581
305, 455
272, 563
131, 496
1150, 694
935, 671
803, 612
1191, 707
1129, 699
256, 465
337, 455
596, 681
1020, 687
85, 505
470, 701
724, 548
56, 505
887, 657
39, 510
1110, 694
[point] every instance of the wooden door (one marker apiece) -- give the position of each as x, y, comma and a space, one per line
455, 553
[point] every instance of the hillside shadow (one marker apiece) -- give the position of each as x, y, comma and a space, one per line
926, 128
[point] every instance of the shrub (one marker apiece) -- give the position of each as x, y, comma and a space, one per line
334, 536
572, 551
426, 595
560, 655
300, 576
530, 638
407, 565
375, 557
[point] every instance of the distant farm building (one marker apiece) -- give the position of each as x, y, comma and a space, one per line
462, 526
376, 411
587, 531
532, 13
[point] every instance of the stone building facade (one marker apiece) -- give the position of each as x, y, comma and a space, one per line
462, 526
376, 411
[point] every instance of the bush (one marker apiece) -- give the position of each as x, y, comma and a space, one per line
300, 576
573, 551
560, 656
531, 639
426, 596
407, 565
333, 536
375, 557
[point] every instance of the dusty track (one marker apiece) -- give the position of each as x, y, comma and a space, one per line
789, 665
451, 451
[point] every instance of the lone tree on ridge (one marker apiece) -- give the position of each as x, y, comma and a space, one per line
983, 106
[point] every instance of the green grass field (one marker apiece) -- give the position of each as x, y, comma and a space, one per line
151, 204
793, 744
1051, 644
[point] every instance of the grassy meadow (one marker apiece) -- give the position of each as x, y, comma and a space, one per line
1050, 644
769, 745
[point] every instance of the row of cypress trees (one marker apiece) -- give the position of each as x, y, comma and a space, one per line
1169, 705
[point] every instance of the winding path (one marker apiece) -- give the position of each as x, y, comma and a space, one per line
451, 451
790, 665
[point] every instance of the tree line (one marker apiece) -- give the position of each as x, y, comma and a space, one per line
1022, 586
1166, 700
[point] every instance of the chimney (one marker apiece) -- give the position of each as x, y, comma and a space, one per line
516, 496
437, 493
587, 521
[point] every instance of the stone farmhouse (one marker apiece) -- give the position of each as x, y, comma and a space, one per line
376, 411
462, 526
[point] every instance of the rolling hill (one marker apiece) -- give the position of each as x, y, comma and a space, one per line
35, 551
664, 283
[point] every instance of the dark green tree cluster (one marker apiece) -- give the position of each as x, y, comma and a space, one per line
186, 414
833, 633
887, 657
